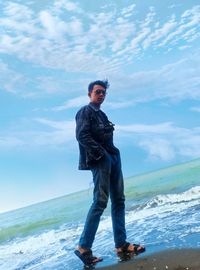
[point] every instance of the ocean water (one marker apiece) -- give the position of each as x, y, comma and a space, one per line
162, 212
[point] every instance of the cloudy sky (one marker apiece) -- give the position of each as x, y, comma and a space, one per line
50, 50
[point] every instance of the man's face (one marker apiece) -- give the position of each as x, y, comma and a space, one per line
97, 95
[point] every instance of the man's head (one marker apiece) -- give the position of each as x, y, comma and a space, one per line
97, 91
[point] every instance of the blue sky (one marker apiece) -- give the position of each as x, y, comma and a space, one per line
51, 50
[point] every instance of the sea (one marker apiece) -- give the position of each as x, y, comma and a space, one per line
162, 212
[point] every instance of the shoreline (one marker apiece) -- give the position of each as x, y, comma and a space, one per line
172, 259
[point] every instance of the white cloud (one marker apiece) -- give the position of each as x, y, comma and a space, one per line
189, 33
17, 11
56, 124
10, 80
122, 31
150, 18
57, 28
163, 141
49, 133
119, 105
159, 33
53, 26
190, 18
195, 109
176, 82
54, 85
72, 103
159, 149
140, 37
163, 128
75, 27
184, 47
189, 145
62, 132
8, 141
90, 42
60, 5
127, 10
100, 43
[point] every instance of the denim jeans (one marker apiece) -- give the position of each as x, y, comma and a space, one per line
108, 180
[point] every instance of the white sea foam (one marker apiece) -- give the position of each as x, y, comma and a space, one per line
38, 248
189, 195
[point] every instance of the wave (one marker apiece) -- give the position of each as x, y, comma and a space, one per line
26, 253
23, 230
187, 196
166, 208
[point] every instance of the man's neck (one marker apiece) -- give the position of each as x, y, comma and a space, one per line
95, 106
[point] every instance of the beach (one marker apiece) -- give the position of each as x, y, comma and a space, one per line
177, 259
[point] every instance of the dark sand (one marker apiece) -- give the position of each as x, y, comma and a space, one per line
179, 259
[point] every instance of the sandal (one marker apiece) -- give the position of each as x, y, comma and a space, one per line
126, 254
138, 249
87, 258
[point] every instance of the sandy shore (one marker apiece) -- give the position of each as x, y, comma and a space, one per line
182, 259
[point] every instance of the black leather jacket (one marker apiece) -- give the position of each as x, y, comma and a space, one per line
94, 133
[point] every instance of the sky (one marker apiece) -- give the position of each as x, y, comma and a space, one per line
51, 50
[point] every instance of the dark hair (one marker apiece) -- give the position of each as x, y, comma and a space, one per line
104, 84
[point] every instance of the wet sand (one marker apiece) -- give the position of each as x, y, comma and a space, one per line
179, 259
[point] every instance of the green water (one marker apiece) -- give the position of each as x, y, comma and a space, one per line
169, 180
73, 208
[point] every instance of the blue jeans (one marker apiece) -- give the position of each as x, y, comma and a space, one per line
108, 180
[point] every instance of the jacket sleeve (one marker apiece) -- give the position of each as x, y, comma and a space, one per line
84, 137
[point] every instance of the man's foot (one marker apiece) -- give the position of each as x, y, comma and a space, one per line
127, 251
86, 256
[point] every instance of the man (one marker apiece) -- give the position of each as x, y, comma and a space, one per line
94, 133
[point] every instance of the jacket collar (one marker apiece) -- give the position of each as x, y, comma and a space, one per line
94, 107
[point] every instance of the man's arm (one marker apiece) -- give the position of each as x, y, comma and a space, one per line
84, 136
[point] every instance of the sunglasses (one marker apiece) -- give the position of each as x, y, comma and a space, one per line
100, 91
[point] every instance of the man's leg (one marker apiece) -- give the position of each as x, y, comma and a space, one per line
117, 202
101, 177
118, 212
